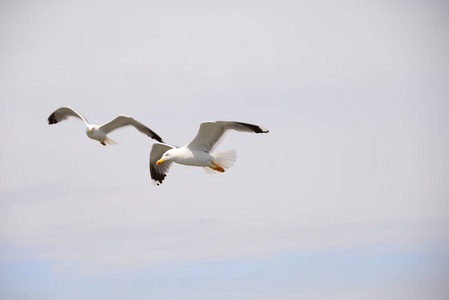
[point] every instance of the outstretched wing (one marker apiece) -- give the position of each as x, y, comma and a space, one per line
121, 121
158, 172
212, 132
63, 113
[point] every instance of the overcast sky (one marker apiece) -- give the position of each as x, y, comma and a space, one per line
345, 198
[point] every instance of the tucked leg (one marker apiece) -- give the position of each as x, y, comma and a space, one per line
217, 167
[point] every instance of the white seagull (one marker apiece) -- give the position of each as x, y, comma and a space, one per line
99, 132
197, 152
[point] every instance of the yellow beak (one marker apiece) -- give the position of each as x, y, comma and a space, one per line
160, 161
90, 129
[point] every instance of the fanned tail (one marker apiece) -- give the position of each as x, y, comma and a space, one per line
225, 160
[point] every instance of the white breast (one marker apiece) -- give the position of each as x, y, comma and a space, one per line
188, 157
96, 134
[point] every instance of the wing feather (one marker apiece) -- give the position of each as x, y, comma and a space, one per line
211, 133
158, 172
63, 113
122, 121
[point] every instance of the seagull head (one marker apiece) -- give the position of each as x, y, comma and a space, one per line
90, 128
167, 156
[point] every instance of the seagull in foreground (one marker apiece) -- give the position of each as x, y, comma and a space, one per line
197, 152
99, 132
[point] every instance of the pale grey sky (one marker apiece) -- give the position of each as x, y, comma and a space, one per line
354, 94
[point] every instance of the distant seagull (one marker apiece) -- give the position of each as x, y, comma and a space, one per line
197, 152
99, 132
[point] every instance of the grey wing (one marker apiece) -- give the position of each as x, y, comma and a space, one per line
121, 121
158, 172
63, 113
212, 132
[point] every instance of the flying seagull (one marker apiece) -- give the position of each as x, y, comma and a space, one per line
99, 132
198, 151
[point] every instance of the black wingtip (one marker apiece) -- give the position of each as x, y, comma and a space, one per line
254, 128
155, 176
155, 136
52, 119
158, 138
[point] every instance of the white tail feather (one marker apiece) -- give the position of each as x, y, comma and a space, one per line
223, 159
209, 170
109, 141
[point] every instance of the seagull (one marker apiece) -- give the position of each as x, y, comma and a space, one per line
99, 132
198, 151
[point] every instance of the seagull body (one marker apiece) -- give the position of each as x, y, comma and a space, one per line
198, 151
99, 133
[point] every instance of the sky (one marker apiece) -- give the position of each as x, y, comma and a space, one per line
345, 197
